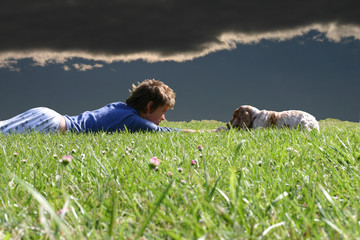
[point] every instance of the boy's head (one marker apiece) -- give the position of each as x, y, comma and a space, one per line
151, 90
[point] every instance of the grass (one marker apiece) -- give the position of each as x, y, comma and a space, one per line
260, 184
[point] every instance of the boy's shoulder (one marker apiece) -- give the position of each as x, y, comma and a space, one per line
120, 108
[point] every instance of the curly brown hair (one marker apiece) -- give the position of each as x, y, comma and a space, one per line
151, 90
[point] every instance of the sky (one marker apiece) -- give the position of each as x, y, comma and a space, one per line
79, 55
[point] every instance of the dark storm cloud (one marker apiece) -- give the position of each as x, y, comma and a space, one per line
167, 30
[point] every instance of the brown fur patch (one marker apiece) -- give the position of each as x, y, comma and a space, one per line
273, 119
242, 118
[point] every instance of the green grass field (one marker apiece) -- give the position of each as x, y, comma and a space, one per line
260, 184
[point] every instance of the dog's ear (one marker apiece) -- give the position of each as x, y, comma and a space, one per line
245, 118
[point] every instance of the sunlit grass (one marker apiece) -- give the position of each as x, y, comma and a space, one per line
265, 184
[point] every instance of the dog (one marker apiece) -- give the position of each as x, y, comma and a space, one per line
248, 117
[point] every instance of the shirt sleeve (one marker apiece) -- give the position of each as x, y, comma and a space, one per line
137, 123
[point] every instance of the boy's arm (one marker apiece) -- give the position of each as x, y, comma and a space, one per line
191, 130
212, 130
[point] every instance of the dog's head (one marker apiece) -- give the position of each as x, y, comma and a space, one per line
243, 117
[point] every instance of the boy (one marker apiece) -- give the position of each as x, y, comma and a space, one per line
143, 110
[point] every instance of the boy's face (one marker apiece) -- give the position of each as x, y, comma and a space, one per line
156, 116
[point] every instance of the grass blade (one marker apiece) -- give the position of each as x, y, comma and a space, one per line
44, 204
157, 205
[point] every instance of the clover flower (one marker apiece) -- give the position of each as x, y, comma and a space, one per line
66, 159
183, 181
128, 150
180, 169
194, 162
200, 148
154, 162
170, 174
62, 210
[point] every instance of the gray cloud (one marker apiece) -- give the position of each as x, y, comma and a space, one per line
53, 31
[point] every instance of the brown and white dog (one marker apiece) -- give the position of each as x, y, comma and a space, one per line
247, 116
